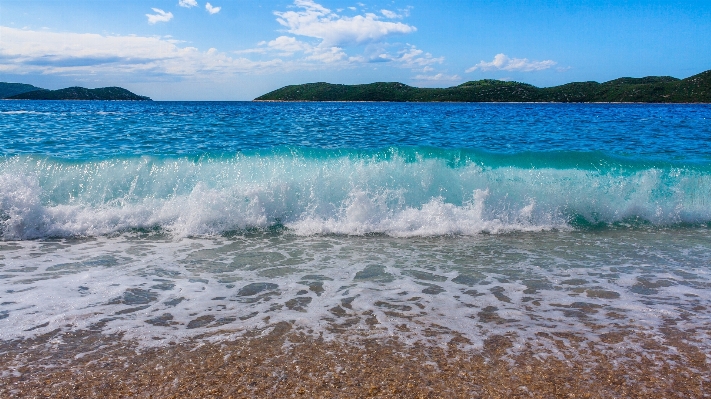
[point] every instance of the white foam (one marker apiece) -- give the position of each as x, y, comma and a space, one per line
23, 112
553, 282
42, 197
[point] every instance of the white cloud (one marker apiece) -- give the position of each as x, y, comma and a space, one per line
72, 54
251, 51
408, 57
211, 9
316, 21
159, 16
187, 3
502, 62
331, 34
413, 57
327, 55
288, 45
319, 39
390, 14
440, 77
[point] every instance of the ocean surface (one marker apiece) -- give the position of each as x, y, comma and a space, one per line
165, 221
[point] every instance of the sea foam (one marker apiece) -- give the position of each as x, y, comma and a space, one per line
397, 193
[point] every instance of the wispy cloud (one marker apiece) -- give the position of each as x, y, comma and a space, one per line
440, 77
408, 56
322, 36
187, 3
327, 55
289, 45
159, 16
212, 10
316, 21
502, 62
315, 38
413, 57
390, 14
71, 54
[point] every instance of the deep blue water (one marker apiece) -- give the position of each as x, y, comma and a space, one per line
87, 168
100, 130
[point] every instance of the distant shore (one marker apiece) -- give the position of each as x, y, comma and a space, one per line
20, 91
651, 89
479, 102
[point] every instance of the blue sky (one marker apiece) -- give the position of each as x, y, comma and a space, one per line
240, 49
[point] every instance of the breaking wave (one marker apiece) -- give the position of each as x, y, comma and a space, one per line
400, 192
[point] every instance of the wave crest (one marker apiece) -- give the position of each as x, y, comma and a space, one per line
336, 194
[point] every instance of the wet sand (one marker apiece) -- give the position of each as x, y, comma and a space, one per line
282, 363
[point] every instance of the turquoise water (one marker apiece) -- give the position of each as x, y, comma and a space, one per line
93, 168
104, 130
162, 220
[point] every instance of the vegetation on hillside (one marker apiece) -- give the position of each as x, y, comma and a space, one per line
12, 89
81, 93
651, 89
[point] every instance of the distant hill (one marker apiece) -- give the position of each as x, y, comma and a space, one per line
11, 89
81, 93
651, 89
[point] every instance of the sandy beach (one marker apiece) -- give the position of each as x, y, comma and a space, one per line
282, 363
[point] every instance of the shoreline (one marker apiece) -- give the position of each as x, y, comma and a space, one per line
366, 101
649, 89
281, 363
474, 102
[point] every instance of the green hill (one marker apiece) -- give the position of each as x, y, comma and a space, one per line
12, 89
651, 89
81, 93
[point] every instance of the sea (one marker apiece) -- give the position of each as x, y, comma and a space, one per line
164, 222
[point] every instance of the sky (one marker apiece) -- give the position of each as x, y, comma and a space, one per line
240, 49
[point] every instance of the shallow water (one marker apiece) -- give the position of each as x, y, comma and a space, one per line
169, 221
155, 289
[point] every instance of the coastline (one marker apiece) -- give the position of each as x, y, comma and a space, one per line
281, 363
477, 102
650, 89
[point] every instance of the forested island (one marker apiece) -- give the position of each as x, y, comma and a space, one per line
651, 89
20, 91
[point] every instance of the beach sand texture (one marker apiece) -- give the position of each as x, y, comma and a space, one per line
279, 362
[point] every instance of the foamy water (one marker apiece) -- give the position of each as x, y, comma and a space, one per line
177, 221
155, 289
401, 193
